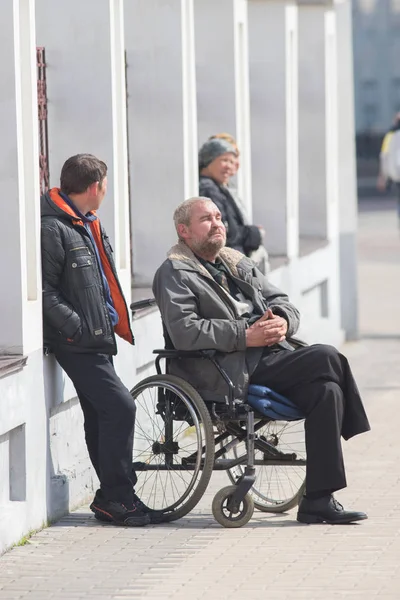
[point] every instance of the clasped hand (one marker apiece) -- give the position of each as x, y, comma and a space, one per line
270, 329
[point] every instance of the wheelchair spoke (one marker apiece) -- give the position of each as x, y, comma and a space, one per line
148, 475
153, 422
146, 451
172, 424
277, 487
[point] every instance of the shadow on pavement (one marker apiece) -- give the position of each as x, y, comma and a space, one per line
197, 521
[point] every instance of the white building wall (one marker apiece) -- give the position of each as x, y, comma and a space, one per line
162, 124
79, 87
23, 423
20, 177
274, 122
347, 183
10, 304
44, 467
23, 451
222, 72
312, 121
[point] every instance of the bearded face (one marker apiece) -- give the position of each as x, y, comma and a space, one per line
206, 233
210, 243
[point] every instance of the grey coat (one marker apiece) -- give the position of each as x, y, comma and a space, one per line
198, 314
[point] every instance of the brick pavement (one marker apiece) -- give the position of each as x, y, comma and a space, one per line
273, 556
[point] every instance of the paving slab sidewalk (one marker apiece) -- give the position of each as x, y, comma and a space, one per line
273, 556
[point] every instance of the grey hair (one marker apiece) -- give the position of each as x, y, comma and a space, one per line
183, 212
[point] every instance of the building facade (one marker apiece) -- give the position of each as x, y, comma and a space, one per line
141, 84
376, 33
376, 63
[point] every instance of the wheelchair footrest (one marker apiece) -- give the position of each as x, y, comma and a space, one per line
223, 464
280, 456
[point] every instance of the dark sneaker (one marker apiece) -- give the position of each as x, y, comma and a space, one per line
117, 513
98, 515
326, 510
156, 516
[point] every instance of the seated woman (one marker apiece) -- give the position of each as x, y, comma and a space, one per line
217, 164
260, 256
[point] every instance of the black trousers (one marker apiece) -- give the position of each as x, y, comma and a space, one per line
318, 379
109, 420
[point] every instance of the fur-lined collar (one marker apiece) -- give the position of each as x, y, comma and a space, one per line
181, 252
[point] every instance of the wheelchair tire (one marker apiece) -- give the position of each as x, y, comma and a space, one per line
174, 446
277, 489
222, 514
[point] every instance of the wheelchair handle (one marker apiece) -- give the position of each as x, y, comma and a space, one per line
172, 353
140, 304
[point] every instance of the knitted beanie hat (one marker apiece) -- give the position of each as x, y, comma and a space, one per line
211, 149
228, 138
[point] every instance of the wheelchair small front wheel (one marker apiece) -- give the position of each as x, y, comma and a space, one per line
224, 515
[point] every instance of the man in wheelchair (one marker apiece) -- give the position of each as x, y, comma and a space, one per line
213, 297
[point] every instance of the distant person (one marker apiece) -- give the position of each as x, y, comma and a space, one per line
217, 164
389, 171
232, 183
231, 140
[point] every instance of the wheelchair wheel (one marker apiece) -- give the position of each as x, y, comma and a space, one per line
224, 515
278, 487
173, 452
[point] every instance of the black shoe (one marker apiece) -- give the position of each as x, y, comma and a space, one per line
98, 515
117, 513
156, 516
326, 510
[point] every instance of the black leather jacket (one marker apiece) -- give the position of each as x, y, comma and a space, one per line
239, 236
75, 313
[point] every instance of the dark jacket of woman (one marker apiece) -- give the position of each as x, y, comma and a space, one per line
239, 236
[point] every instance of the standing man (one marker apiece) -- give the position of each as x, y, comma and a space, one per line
83, 309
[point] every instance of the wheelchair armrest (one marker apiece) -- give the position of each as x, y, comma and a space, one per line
204, 354
172, 353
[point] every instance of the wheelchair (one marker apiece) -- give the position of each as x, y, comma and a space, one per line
180, 440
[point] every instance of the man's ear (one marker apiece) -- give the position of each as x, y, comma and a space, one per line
93, 188
182, 231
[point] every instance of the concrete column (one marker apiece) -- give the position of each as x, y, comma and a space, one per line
22, 407
87, 101
318, 143
274, 120
347, 181
20, 302
121, 212
223, 103
162, 124
318, 119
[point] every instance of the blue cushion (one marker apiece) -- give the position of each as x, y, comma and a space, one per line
273, 405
